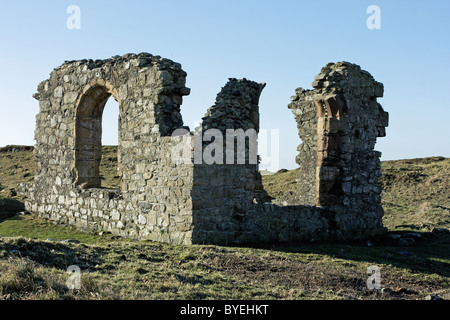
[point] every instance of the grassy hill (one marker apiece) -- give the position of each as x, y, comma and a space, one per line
414, 257
415, 192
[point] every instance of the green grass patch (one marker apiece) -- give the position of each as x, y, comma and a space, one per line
283, 181
127, 269
28, 226
34, 259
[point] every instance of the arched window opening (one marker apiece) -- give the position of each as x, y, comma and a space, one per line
93, 129
109, 166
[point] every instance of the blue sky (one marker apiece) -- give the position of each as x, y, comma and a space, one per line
282, 43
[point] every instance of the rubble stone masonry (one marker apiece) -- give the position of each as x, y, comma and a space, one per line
189, 202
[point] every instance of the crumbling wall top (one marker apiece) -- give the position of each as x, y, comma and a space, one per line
140, 60
236, 104
340, 77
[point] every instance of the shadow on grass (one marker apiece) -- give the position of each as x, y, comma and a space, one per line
52, 254
9, 207
429, 255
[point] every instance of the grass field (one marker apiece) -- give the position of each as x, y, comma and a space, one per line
35, 254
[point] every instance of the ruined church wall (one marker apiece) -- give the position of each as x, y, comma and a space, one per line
160, 199
348, 121
149, 91
224, 192
305, 114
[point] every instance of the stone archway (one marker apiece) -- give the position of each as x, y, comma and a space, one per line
88, 132
149, 91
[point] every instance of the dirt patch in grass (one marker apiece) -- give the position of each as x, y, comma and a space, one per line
322, 276
121, 269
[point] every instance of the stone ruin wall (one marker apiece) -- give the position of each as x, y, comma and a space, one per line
339, 121
154, 200
162, 200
